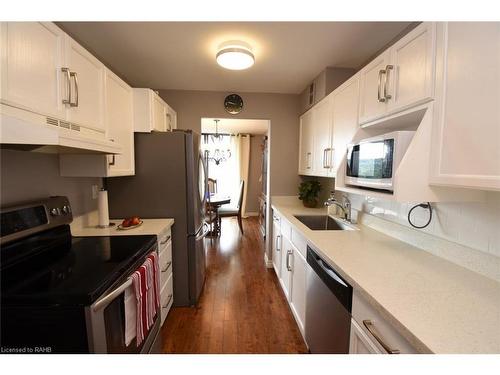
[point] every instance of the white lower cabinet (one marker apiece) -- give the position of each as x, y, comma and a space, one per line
277, 246
286, 275
166, 273
372, 332
359, 342
298, 288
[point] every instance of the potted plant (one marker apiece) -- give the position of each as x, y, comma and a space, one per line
308, 193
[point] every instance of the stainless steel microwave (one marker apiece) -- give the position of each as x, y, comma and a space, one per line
372, 162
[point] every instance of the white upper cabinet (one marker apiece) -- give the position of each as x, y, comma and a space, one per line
371, 101
306, 143
322, 137
466, 133
409, 79
119, 121
401, 77
86, 80
151, 113
31, 62
345, 120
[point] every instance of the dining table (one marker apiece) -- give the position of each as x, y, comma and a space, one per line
215, 201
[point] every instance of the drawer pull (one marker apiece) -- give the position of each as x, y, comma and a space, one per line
166, 240
371, 328
166, 268
168, 302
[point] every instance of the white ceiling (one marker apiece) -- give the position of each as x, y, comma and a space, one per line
181, 55
235, 126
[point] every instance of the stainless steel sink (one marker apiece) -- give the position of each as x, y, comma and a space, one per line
324, 222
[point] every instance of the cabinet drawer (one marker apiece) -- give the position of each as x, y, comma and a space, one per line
364, 313
299, 242
166, 298
164, 239
286, 229
165, 260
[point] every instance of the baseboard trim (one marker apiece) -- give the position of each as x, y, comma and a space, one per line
267, 262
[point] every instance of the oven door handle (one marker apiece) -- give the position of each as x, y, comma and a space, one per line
108, 298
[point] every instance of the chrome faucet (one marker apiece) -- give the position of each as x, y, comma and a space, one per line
345, 206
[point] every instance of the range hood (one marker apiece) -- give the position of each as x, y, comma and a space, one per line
28, 131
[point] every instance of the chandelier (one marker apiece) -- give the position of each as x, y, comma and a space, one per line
217, 155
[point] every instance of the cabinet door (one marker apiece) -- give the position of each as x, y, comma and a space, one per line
31, 62
277, 245
285, 276
159, 114
410, 75
87, 87
372, 105
322, 137
120, 124
306, 143
299, 287
466, 135
345, 121
359, 342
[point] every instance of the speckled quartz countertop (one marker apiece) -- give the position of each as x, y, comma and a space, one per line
437, 306
148, 227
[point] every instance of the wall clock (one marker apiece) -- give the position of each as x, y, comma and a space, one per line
233, 104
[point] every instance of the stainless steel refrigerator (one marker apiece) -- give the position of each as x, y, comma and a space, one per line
170, 181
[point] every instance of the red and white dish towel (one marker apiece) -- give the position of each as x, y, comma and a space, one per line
142, 300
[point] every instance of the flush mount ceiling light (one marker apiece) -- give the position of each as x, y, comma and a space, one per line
235, 55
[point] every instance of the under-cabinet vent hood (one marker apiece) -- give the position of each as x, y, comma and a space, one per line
28, 131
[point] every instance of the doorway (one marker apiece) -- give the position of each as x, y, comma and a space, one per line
238, 150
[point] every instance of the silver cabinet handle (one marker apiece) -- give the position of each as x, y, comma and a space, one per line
68, 85
330, 165
165, 241
168, 302
308, 160
325, 165
288, 266
113, 160
371, 328
75, 77
278, 238
166, 268
328, 160
380, 98
388, 68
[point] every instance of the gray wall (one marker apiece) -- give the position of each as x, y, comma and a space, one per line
281, 109
254, 172
27, 176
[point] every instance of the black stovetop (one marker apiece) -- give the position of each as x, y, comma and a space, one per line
54, 268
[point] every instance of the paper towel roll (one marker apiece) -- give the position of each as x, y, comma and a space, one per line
102, 207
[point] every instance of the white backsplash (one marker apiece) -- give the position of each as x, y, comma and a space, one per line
465, 233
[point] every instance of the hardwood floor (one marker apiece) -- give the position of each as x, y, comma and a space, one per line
242, 308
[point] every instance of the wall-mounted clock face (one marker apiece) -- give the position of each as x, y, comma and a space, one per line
233, 104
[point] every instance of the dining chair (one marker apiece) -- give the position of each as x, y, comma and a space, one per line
231, 211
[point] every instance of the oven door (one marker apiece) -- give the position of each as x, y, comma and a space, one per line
370, 164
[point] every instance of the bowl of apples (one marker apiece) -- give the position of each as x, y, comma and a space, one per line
130, 223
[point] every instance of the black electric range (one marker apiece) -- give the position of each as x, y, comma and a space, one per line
51, 281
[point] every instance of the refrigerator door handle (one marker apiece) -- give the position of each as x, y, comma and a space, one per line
204, 232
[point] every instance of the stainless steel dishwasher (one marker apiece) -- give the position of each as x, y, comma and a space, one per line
328, 312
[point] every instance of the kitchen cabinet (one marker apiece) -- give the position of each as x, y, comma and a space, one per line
466, 134
119, 125
286, 271
401, 77
298, 271
277, 245
151, 113
379, 334
306, 143
49, 83
322, 128
166, 273
86, 82
359, 342
316, 140
31, 61
345, 121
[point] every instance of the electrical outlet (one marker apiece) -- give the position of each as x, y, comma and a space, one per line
95, 191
